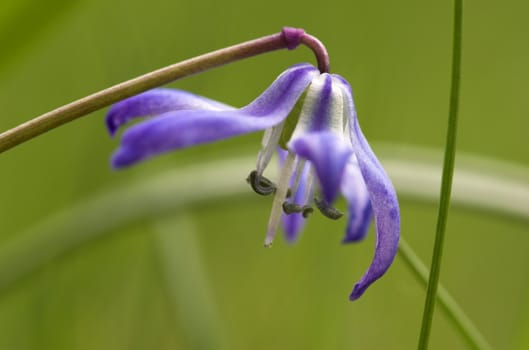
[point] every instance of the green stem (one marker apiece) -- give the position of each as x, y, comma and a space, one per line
446, 183
104, 98
451, 308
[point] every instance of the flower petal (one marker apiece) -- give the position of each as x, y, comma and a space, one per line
154, 102
180, 129
359, 205
322, 108
329, 153
383, 200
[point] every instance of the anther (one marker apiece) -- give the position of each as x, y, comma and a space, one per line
327, 210
260, 184
306, 211
291, 208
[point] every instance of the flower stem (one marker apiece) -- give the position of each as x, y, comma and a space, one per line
446, 182
288, 38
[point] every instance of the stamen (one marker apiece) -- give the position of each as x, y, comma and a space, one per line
279, 198
269, 145
327, 210
299, 171
309, 192
260, 184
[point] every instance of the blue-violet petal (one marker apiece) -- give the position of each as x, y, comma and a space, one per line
383, 201
328, 153
155, 102
360, 212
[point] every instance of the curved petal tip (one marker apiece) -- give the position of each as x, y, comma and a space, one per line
123, 158
358, 290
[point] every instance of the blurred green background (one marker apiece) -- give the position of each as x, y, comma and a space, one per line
198, 277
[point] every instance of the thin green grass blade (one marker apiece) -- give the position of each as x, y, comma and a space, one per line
452, 309
446, 183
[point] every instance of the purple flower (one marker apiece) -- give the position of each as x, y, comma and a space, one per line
310, 121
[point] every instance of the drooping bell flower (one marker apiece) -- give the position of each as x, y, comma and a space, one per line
310, 120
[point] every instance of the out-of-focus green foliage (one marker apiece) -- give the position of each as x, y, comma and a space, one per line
114, 293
